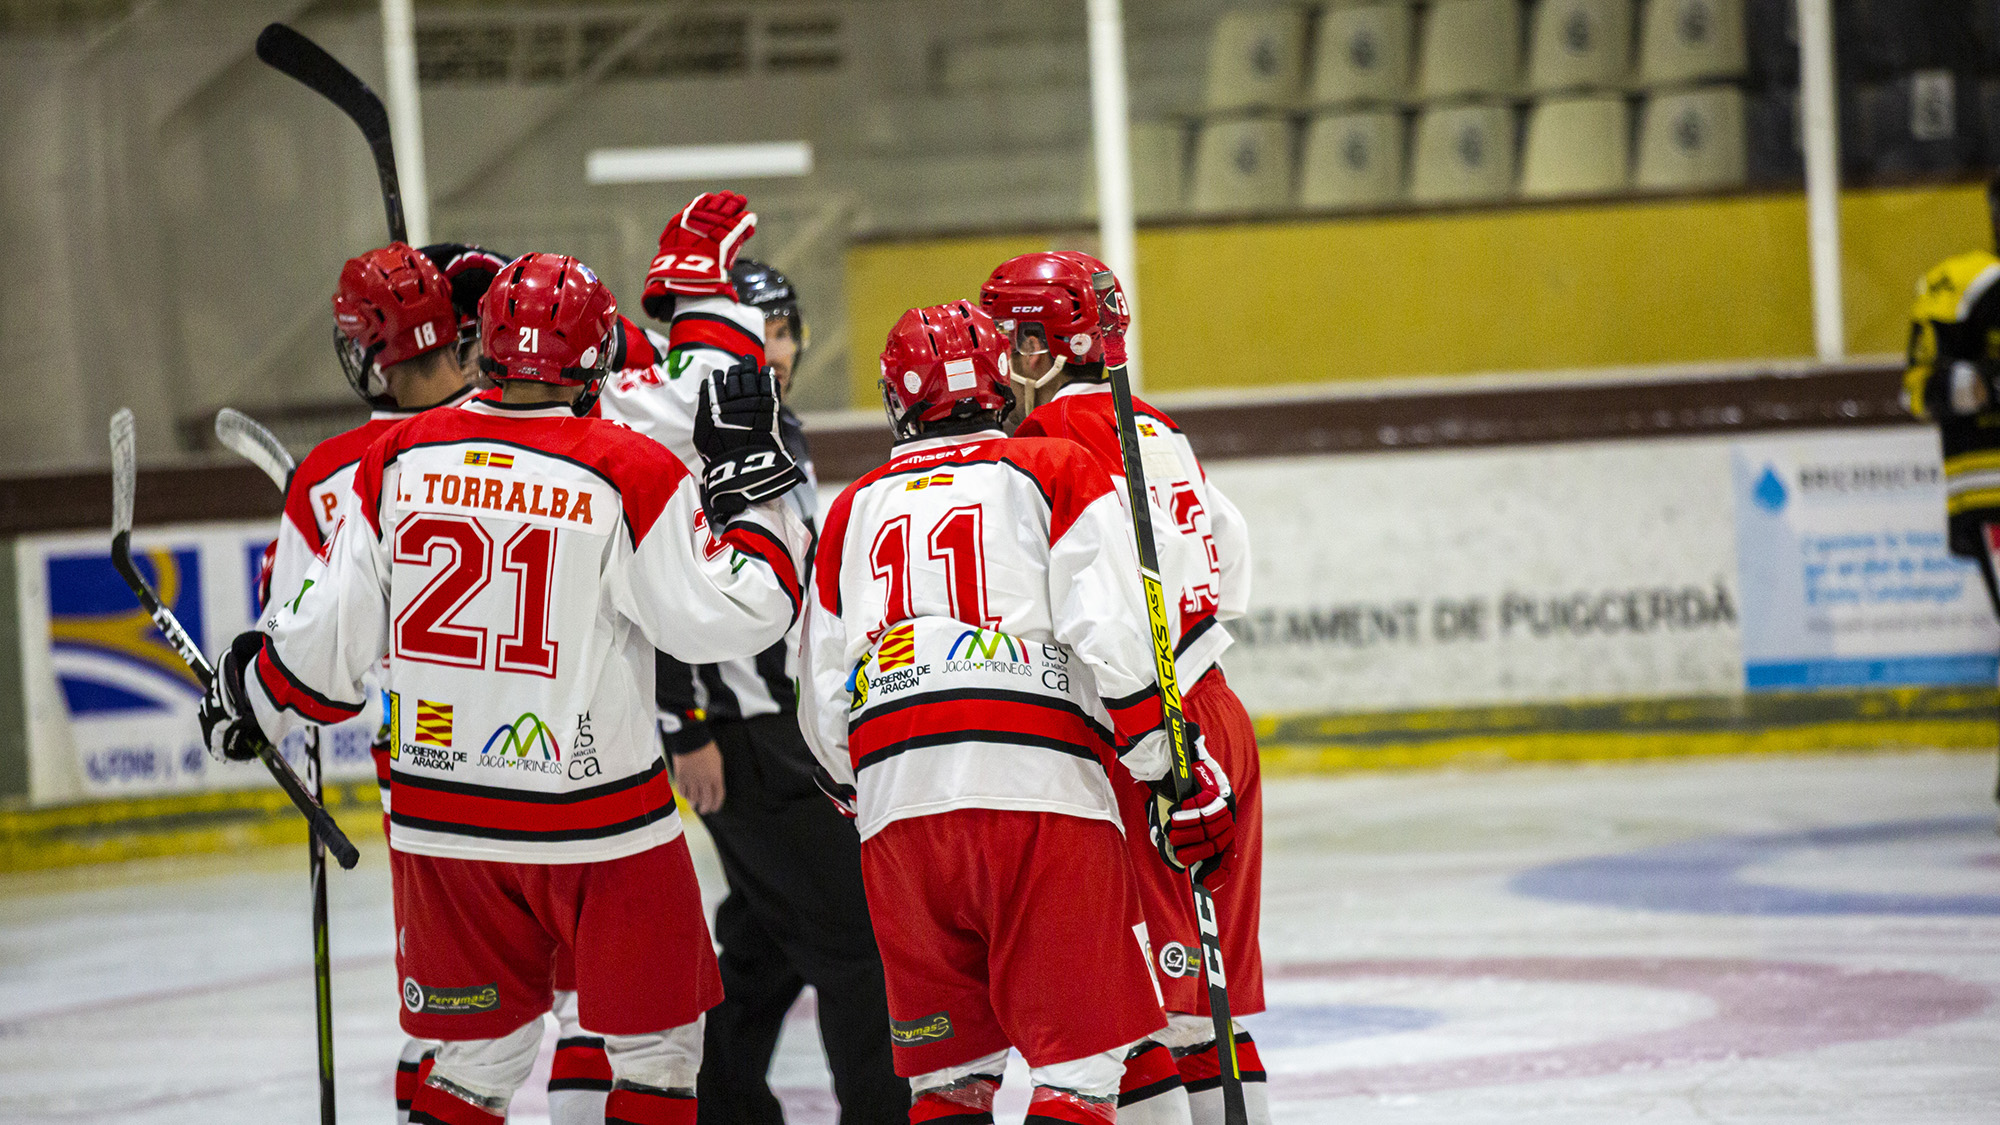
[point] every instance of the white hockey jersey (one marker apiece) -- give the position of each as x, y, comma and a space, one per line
520, 565
1021, 537
1204, 545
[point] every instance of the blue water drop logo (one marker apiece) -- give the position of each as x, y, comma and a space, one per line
1770, 491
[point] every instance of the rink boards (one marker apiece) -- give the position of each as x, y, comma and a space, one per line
1701, 594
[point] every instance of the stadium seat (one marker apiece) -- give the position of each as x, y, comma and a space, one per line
1692, 139
1577, 146
1772, 30
1580, 44
1257, 58
1686, 40
1353, 160
1463, 154
1771, 129
1470, 47
1159, 170
1242, 164
1881, 39
1915, 125
1362, 54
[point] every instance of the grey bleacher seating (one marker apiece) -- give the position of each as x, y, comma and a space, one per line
1257, 58
1576, 145
1579, 45
1469, 47
1880, 39
1771, 132
1242, 164
1363, 53
1771, 28
1159, 170
1463, 153
1691, 139
1914, 125
1353, 159
1687, 40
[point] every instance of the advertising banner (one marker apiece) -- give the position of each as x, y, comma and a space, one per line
110, 705
1846, 577
1411, 580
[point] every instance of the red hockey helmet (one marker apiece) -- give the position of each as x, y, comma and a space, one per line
943, 362
1056, 292
393, 304
547, 318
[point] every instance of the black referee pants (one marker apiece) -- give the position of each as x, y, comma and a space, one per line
796, 915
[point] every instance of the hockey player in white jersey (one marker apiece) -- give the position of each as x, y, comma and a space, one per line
976, 646
521, 564
1064, 335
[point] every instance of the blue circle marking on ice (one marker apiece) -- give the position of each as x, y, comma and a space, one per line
1705, 876
1312, 1025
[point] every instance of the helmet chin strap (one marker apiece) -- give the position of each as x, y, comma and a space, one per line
1026, 384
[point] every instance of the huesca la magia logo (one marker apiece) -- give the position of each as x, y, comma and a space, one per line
898, 648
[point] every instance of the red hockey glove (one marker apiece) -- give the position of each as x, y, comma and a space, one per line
1194, 833
696, 251
842, 796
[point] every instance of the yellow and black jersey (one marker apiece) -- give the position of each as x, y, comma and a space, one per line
1957, 317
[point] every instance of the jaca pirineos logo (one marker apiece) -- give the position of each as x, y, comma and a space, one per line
987, 651
524, 744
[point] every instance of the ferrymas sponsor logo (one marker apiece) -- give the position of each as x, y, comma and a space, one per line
449, 1001
933, 1028
898, 648
508, 747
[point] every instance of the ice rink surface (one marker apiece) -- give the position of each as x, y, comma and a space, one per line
1742, 940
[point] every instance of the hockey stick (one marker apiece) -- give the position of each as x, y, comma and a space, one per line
124, 486
243, 436
292, 53
259, 446
1233, 1109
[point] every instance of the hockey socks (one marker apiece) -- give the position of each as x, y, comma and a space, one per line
1051, 1106
436, 1105
1151, 1092
1201, 1072
633, 1104
968, 1101
579, 1081
411, 1069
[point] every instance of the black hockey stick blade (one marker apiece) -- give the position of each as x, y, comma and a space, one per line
285, 49
124, 487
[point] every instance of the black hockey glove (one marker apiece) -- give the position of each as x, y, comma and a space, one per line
842, 796
228, 728
736, 431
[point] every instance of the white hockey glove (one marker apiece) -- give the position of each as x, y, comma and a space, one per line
228, 728
736, 431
